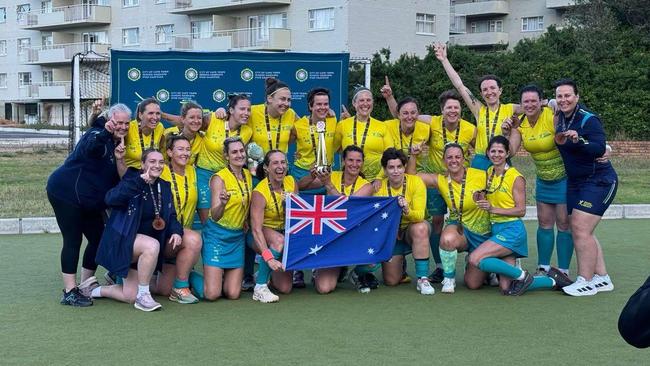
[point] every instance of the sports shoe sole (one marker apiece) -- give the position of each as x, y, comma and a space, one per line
426, 294
257, 298
137, 306
184, 302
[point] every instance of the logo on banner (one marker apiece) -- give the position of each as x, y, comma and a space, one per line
302, 75
219, 95
162, 95
191, 74
247, 74
133, 74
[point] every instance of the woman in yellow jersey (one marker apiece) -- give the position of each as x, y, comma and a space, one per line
489, 116
273, 121
145, 132
366, 132
267, 224
536, 130
468, 225
505, 200
192, 119
179, 260
413, 235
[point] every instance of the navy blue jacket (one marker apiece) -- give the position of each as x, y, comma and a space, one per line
580, 157
88, 173
126, 200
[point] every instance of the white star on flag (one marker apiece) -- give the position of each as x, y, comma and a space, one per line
384, 215
376, 229
314, 250
376, 205
371, 251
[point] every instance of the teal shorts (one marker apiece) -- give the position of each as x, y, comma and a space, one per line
203, 186
481, 162
222, 247
436, 205
511, 235
403, 246
299, 173
473, 239
551, 191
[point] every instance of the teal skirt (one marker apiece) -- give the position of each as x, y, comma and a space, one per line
222, 247
551, 191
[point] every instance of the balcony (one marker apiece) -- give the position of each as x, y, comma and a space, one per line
192, 7
246, 39
66, 17
457, 23
480, 39
60, 90
62, 53
483, 8
560, 4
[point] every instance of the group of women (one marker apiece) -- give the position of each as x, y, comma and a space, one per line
231, 167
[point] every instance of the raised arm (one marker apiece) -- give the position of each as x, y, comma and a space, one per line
387, 93
472, 102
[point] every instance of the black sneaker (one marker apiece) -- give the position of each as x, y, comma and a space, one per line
371, 280
298, 279
248, 283
561, 280
436, 276
343, 275
75, 298
359, 282
518, 287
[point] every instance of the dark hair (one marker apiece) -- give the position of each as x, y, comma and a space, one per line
142, 105
233, 100
392, 153
531, 88
568, 82
146, 153
229, 141
405, 101
489, 77
313, 93
446, 95
271, 85
185, 108
352, 148
452, 145
499, 140
260, 173
172, 138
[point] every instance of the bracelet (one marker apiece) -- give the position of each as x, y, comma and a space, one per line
267, 255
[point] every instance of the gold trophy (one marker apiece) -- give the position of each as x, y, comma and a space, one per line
322, 165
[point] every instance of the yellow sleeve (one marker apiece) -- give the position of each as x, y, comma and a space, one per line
388, 140
418, 204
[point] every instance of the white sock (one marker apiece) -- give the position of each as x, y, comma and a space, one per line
564, 270
545, 267
96, 293
521, 276
260, 286
143, 289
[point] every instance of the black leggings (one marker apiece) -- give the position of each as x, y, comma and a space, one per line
75, 222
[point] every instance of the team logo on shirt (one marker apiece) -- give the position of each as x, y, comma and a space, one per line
162, 95
302, 75
219, 95
191, 74
247, 74
133, 74
586, 204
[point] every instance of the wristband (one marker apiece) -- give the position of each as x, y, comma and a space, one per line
267, 255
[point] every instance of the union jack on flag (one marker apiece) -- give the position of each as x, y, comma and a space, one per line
317, 215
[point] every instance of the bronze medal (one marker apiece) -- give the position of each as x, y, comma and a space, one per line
158, 223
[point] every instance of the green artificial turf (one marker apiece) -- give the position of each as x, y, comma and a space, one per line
389, 326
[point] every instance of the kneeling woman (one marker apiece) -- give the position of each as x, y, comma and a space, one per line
267, 223
142, 218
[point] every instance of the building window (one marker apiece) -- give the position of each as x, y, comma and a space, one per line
3, 15
24, 78
202, 29
130, 36
160, 2
130, 3
261, 25
3, 81
21, 12
23, 45
495, 26
3, 47
532, 24
46, 40
46, 7
164, 33
321, 19
47, 77
425, 23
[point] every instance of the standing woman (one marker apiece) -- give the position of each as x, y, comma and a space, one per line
143, 219
76, 192
591, 186
145, 132
173, 281
192, 121
536, 131
488, 116
273, 121
267, 224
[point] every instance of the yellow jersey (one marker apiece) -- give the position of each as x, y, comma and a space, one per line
474, 218
274, 209
420, 136
372, 137
196, 144
500, 192
441, 136
336, 178
539, 141
135, 141
307, 142
236, 211
274, 134
489, 124
415, 193
184, 193
211, 156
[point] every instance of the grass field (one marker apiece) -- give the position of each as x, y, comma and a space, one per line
390, 326
24, 174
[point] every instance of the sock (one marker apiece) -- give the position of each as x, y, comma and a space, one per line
448, 262
181, 283
96, 293
545, 238
196, 280
249, 261
260, 285
422, 267
143, 289
264, 271
564, 249
541, 282
496, 265
544, 267
434, 242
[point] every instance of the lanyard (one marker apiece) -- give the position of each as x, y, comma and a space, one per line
565, 126
275, 201
268, 130
343, 185
444, 133
489, 133
226, 128
142, 140
458, 210
488, 181
157, 206
390, 190
365, 132
244, 192
401, 144
177, 194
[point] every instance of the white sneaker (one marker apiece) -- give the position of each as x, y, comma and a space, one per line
602, 283
264, 294
425, 287
581, 287
493, 280
448, 285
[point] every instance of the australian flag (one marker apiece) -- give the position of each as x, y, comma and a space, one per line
334, 231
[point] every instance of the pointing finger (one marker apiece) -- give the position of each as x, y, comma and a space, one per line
386, 80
